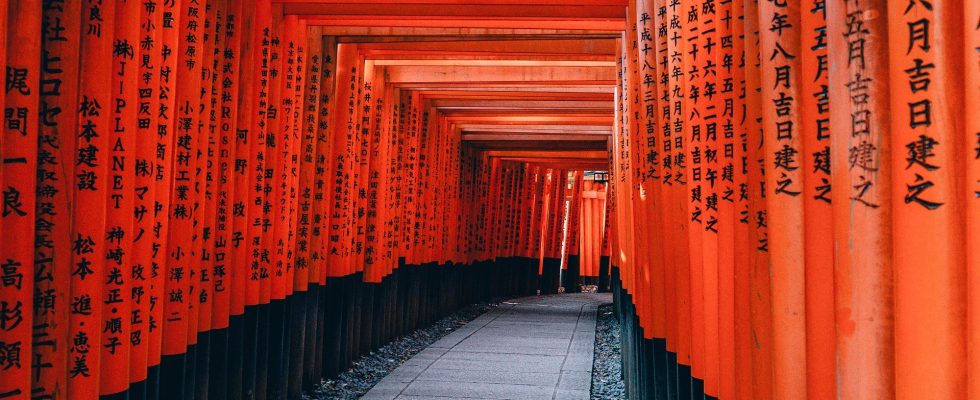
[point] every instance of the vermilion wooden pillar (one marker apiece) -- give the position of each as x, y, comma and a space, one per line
148, 169
91, 193
725, 194
972, 193
119, 234
743, 218
926, 114
861, 200
52, 257
759, 275
818, 214
781, 86
18, 182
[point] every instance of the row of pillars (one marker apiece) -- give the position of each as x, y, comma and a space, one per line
796, 199
210, 199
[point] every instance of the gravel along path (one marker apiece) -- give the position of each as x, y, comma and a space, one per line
607, 371
370, 369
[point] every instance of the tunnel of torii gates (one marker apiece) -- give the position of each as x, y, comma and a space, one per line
235, 199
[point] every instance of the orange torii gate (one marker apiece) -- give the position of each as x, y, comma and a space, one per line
235, 199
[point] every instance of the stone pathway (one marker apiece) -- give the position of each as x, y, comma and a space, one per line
537, 347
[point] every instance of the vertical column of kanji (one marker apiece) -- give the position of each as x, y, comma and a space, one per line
199, 39
278, 141
818, 218
258, 208
536, 203
434, 151
971, 28
243, 47
741, 216
20, 160
690, 163
287, 239
428, 146
305, 122
519, 210
779, 23
376, 204
164, 121
408, 180
494, 221
759, 279
675, 179
532, 184
342, 175
228, 281
298, 46
665, 100
395, 134
493, 186
360, 155
397, 129
711, 110
280, 123
861, 204
421, 170
370, 119
652, 50
298, 277
119, 233
725, 195
91, 188
241, 121
208, 171
20, 150
58, 93
309, 230
446, 193
489, 186
323, 161
3, 60
340, 136
19, 146
181, 263
632, 265
925, 56
145, 189
275, 143
619, 170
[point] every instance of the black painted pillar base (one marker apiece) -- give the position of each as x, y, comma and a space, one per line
550, 281
603, 274
570, 275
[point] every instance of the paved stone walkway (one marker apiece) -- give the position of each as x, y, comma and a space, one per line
527, 348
